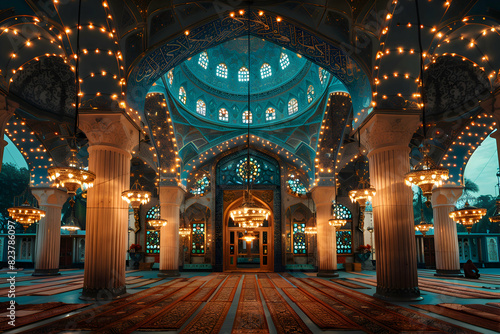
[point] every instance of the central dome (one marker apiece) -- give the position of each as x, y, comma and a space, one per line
213, 85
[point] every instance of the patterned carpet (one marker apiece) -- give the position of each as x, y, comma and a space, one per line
252, 303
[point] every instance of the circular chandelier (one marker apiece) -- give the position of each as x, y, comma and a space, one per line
423, 227
427, 175
135, 196
249, 214
362, 195
468, 215
157, 223
71, 177
248, 237
184, 231
26, 214
311, 230
71, 224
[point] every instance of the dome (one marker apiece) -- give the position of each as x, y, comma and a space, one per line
213, 85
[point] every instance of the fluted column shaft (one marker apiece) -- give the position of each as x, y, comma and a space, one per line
170, 201
111, 138
327, 238
387, 137
445, 230
48, 235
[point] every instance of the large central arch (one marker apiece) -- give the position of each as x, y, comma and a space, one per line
283, 32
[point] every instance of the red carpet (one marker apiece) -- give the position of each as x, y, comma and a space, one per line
250, 317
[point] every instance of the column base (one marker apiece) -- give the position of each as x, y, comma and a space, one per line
46, 272
327, 273
448, 273
398, 295
103, 294
169, 273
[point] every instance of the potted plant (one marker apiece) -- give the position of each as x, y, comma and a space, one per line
364, 252
135, 254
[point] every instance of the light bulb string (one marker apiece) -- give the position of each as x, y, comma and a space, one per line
421, 81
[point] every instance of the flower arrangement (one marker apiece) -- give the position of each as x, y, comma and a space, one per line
135, 248
365, 248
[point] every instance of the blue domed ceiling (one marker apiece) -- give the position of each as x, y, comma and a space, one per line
213, 85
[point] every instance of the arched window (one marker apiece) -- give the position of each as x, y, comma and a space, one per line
341, 212
310, 94
322, 75
293, 106
223, 115
153, 242
170, 76
221, 70
247, 117
201, 107
270, 114
299, 238
284, 61
265, 71
243, 74
203, 60
182, 95
153, 213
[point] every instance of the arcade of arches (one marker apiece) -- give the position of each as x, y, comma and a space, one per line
197, 101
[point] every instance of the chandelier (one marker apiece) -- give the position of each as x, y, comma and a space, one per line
25, 214
157, 223
336, 222
423, 227
311, 230
71, 177
135, 196
362, 196
467, 216
184, 231
71, 224
249, 214
248, 237
496, 216
365, 191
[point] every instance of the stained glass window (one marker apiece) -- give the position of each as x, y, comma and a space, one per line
243, 74
344, 242
265, 71
284, 61
170, 76
299, 238
182, 95
153, 242
270, 114
201, 107
322, 75
342, 212
153, 213
223, 115
200, 186
197, 238
310, 94
203, 60
296, 186
293, 106
221, 70
247, 117
255, 169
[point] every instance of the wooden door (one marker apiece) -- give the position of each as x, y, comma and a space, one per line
66, 255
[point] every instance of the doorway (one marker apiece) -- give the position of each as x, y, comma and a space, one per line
248, 250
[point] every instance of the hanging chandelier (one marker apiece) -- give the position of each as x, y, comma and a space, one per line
184, 231
72, 176
311, 230
25, 214
71, 224
135, 196
427, 175
248, 237
467, 216
423, 227
336, 222
362, 196
157, 223
496, 216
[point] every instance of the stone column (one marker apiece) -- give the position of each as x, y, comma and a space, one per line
7, 109
171, 198
48, 235
386, 136
327, 237
111, 139
445, 229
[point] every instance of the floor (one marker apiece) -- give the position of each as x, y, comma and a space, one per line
489, 282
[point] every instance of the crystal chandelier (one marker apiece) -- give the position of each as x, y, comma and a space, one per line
364, 193
248, 237
184, 231
423, 227
135, 196
467, 216
157, 223
311, 230
71, 223
25, 214
71, 177
362, 196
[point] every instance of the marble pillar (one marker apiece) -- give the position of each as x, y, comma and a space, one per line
48, 235
326, 237
7, 109
111, 139
386, 136
171, 198
445, 229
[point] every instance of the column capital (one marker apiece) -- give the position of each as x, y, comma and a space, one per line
109, 129
388, 129
50, 196
323, 195
171, 195
446, 195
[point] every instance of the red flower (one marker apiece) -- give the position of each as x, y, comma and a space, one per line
135, 247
